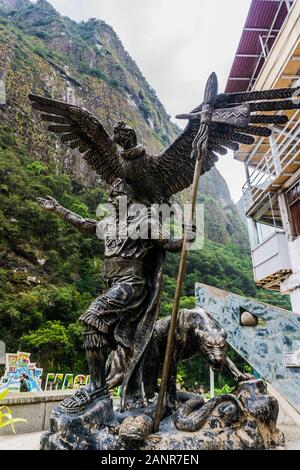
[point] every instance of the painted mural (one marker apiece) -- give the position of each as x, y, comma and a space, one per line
17, 364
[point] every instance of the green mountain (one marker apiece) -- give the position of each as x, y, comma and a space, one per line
49, 273
86, 64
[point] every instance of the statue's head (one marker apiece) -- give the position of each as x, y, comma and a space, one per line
124, 136
119, 189
209, 338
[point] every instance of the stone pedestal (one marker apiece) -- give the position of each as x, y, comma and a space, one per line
243, 420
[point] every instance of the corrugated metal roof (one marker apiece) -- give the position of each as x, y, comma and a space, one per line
264, 20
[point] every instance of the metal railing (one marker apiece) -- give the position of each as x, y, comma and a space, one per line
264, 40
282, 152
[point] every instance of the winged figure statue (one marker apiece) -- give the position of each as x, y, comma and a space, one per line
124, 316
237, 118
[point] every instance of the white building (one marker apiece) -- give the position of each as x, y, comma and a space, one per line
268, 56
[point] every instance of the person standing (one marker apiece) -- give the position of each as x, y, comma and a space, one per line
24, 383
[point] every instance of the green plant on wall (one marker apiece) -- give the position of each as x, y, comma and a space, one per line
226, 389
6, 418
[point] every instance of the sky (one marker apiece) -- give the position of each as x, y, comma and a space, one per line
176, 44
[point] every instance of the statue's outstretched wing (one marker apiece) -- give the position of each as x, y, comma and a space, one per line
174, 168
80, 130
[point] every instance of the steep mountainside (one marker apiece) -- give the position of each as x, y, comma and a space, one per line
222, 220
241, 210
86, 64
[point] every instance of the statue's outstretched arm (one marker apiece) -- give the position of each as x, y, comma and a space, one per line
87, 226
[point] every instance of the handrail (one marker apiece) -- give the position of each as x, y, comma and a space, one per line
267, 169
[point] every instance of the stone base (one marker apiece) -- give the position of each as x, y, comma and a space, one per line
249, 436
95, 428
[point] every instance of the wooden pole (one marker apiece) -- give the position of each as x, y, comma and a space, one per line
180, 278
211, 383
199, 153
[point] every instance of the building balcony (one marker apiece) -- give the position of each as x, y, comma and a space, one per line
271, 171
271, 261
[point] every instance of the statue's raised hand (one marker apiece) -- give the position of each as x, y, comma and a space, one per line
48, 203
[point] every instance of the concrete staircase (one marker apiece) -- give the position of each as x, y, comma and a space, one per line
272, 347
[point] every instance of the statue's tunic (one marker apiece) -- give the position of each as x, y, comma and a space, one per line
113, 317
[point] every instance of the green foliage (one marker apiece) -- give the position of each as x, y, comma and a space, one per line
6, 417
41, 34
36, 167
49, 336
80, 208
6, 137
145, 109
225, 389
99, 73
20, 55
181, 374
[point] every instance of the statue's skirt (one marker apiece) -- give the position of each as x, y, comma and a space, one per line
112, 318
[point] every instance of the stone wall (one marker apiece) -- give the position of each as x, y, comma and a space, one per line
35, 408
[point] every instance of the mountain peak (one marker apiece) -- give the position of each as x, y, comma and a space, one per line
44, 3
45, 7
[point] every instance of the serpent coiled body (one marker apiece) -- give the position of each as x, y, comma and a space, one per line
193, 414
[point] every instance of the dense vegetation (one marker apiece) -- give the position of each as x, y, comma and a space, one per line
50, 272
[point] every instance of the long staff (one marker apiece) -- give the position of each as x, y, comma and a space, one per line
199, 153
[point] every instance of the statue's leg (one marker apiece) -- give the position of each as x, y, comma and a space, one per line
134, 394
96, 347
97, 351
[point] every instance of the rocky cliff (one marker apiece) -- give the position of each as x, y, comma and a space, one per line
86, 64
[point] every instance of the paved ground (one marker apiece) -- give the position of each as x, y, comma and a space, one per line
31, 441
28, 441
292, 436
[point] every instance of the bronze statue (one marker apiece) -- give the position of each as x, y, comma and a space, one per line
196, 335
124, 316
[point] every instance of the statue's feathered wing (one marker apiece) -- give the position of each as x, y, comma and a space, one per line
80, 130
174, 169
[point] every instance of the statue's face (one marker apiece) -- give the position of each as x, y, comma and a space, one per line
114, 198
124, 136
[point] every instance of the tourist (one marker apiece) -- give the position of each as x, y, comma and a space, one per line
24, 383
